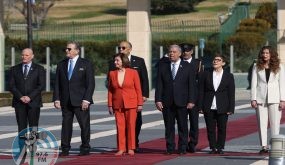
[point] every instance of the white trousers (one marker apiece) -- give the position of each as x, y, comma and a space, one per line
264, 112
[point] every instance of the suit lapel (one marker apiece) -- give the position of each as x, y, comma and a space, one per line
262, 75
180, 68
20, 70
31, 70
66, 67
132, 60
222, 80
168, 69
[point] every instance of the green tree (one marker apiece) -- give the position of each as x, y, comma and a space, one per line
268, 12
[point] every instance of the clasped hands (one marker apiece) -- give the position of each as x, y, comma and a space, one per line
84, 105
25, 99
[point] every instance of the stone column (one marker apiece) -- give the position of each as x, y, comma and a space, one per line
139, 31
2, 55
281, 30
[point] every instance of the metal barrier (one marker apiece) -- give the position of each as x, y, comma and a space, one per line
277, 151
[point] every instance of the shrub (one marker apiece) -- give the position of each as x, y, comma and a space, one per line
268, 12
172, 7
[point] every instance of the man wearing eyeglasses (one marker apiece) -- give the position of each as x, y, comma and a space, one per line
74, 87
138, 64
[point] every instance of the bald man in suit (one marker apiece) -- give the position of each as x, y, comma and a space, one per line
27, 81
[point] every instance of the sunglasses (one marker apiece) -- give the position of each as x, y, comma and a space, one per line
123, 48
67, 49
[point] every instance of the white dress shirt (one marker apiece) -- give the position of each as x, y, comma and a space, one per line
188, 60
177, 64
29, 67
74, 60
217, 77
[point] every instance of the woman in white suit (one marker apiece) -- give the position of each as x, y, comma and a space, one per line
268, 93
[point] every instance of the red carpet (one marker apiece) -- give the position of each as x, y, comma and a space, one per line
153, 150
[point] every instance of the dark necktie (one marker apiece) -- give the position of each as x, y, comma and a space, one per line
25, 71
70, 69
173, 73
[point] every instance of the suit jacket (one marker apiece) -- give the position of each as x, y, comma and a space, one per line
179, 91
81, 85
31, 86
138, 64
274, 90
225, 94
129, 95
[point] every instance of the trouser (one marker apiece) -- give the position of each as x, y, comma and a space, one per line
83, 118
125, 123
194, 126
138, 127
169, 116
264, 111
213, 121
27, 115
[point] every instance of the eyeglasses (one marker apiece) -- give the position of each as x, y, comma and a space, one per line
123, 48
217, 60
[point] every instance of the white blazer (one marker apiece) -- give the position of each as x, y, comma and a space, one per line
274, 89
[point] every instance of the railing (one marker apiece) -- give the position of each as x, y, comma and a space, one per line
115, 30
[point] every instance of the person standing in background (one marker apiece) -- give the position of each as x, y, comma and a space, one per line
268, 93
74, 87
137, 63
124, 100
187, 51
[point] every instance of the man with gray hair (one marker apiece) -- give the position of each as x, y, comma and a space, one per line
174, 94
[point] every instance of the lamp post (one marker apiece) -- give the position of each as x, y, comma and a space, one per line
29, 24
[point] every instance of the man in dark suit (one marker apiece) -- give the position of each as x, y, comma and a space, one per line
187, 51
74, 87
138, 64
174, 94
27, 81
217, 101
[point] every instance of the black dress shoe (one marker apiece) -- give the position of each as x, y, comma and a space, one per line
137, 150
263, 151
84, 153
182, 152
64, 153
169, 152
220, 151
191, 149
213, 151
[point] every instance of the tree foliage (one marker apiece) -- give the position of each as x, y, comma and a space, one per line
268, 12
40, 8
172, 7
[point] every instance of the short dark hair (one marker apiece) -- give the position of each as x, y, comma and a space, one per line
186, 47
224, 58
125, 60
